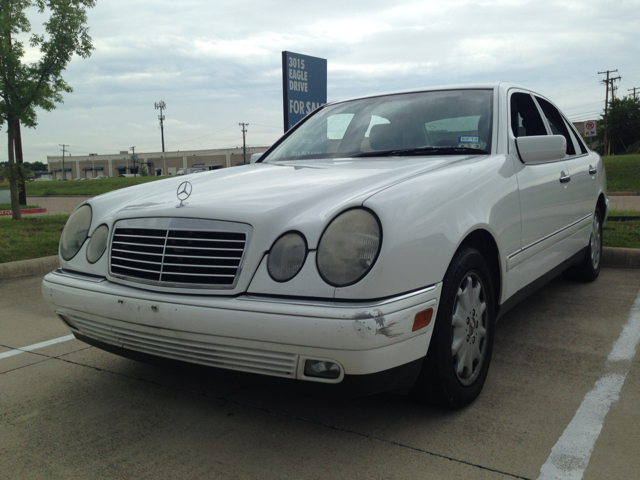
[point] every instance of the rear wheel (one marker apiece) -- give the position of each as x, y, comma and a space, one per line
589, 269
457, 362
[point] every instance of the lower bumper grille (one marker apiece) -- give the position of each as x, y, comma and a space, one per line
213, 355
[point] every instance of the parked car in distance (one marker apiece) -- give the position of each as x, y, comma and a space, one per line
101, 176
188, 171
372, 248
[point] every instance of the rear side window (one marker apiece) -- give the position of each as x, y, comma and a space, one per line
578, 140
556, 123
525, 117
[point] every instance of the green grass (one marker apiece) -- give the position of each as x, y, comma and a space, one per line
31, 237
7, 206
82, 187
623, 173
622, 234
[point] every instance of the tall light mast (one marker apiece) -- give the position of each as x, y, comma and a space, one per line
162, 106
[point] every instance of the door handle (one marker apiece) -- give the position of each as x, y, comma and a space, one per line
592, 170
564, 178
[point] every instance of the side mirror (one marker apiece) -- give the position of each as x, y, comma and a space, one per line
255, 157
541, 149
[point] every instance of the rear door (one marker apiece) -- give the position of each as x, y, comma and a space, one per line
582, 165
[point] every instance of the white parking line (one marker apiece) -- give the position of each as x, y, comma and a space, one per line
36, 346
570, 455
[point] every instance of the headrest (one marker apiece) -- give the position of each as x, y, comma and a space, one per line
385, 136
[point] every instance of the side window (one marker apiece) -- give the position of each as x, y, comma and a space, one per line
579, 142
556, 123
525, 117
579, 148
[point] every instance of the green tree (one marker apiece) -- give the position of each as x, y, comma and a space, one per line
623, 125
25, 86
36, 166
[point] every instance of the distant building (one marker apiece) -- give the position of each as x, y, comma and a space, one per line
157, 163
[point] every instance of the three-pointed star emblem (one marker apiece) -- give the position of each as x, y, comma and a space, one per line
184, 192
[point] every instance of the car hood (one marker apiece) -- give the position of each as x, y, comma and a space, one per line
272, 198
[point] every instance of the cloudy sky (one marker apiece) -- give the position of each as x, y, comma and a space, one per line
217, 64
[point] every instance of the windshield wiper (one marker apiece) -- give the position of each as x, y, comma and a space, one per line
419, 151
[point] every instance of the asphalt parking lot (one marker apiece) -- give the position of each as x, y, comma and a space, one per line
561, 398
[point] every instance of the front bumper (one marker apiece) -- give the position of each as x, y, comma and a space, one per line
263, 335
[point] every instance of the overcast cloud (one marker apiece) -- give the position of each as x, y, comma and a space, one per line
216, 63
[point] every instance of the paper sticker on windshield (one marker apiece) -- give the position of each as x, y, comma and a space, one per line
468, 139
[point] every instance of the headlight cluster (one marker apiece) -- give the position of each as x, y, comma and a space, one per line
75, 234
346, 252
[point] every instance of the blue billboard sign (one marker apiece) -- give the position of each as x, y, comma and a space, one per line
304, 86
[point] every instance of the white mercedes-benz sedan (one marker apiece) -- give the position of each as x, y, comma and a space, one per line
371, 248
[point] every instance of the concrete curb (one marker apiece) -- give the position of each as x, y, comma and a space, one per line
621, 257
26, 268
611, 258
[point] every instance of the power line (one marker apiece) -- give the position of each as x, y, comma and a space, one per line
574, 91
587, 115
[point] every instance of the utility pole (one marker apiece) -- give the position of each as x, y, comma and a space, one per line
63, 151
244, 143
606, 103
162, 106
632, 90
133, 159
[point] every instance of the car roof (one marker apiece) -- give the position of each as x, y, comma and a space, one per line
476, 86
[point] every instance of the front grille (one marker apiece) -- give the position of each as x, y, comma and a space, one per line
214, 355
178, 252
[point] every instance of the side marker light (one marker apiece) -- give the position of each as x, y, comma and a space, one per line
422, 319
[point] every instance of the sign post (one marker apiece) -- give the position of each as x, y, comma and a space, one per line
304, 86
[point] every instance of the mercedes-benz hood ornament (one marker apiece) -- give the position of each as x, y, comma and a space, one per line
184, 192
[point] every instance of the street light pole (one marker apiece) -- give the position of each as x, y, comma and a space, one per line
133, 160
63, 152
162, 106
244, 142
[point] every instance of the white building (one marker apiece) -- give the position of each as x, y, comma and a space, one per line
158, 163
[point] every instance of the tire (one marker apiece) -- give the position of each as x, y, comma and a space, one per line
589, 269
457, 362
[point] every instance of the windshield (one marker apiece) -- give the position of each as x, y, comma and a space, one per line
450, 122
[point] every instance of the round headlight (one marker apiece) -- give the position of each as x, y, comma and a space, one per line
287, 256
97, 243
75, 232
349, 247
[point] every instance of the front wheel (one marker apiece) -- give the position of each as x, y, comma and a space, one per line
457, 362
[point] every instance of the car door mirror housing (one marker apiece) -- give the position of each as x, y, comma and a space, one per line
541, 149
